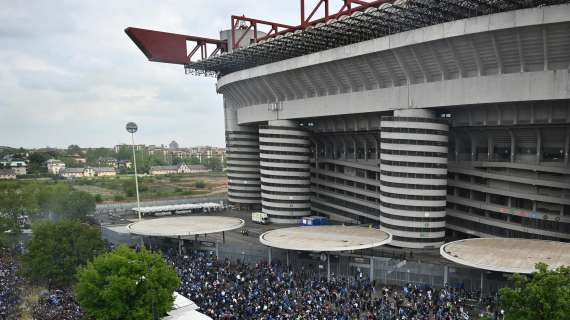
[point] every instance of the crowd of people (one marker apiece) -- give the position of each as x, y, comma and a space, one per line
57, 305
226, 290
9, 284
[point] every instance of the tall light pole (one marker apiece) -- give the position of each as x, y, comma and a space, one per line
132, 128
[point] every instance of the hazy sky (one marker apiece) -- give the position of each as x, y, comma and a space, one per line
70, 75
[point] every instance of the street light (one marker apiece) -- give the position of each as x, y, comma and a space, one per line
132, 128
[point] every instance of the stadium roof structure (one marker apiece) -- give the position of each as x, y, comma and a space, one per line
173, 227
329, 238
373, 20
509, 255
178, 207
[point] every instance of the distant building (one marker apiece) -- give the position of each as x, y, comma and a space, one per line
55, 166
173, 145
72, 172
78, 158
161, 170
7, 174
198, 168
107, 162
105, 172
88, 172
19, 166
124, 164
138, 147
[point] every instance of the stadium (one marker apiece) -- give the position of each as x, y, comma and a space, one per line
433, 119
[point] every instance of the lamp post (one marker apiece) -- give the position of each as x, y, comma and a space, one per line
132, 128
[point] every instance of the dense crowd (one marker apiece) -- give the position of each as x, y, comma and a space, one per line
9, 284
57, 305
226, 290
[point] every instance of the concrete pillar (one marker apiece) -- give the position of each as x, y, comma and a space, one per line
217, 250
566, 146
316, 154
269, 255
474, 143
538, 145
371, 268
513, 146
445, 274
328, 267
457, 145
490, 148
223, 237
482, 282
180, 244
333, 151
287, 257
355, 149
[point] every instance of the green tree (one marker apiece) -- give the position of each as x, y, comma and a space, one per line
73, 149
544, 295
93, 155
8, 222
124, 284
57, 249
37, 163
214, 164
200, 184
76, 205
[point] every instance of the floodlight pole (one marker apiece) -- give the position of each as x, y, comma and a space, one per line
136, 177
132, 128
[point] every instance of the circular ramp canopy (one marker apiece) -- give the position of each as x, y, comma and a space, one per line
184, 226
507, 254
325, 238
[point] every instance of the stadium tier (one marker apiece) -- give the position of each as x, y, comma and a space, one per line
429, 118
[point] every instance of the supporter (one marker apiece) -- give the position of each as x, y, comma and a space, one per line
9, 284
57, 305
225, 290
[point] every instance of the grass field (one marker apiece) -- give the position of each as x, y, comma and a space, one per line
122, 188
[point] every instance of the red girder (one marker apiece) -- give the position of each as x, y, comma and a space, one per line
171, 47
348, 7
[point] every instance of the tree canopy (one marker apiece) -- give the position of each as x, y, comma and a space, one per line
125, 284
58, 198
545, 295
56, 249
73, 149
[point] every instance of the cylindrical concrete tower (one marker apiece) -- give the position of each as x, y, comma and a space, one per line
285, 171
413, 177
242, 156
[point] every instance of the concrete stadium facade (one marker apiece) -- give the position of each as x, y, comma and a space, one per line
461, 127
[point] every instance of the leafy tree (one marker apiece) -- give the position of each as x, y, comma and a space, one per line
73, 149
124, 284
200, 184
194, 160
37, 162
8, 222
545, 295
76, 205
214, 164
93, 155
56, 249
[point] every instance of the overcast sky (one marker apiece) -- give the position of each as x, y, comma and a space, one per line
70, 75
